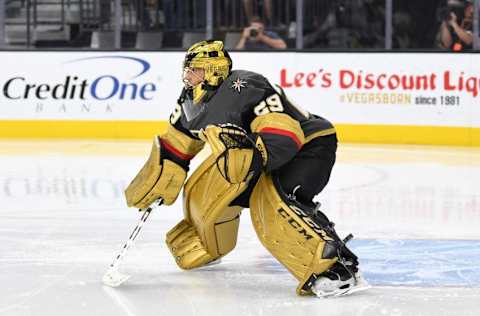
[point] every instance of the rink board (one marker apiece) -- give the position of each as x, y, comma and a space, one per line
380, 134
428, 98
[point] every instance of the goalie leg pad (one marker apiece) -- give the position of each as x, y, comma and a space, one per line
186, 246
291, 238
210, 225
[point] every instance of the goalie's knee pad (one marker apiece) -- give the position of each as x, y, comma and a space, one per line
209, 230
299, 236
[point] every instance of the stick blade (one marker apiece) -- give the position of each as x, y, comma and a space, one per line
114, 278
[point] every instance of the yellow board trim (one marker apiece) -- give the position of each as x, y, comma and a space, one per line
400, 134
380, 134
81, 129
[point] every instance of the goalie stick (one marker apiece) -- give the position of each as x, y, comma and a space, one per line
113, 277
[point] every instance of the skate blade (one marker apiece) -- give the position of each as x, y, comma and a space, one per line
355, 289
361, 285
114, 278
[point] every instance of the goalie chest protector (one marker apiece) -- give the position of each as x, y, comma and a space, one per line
239, 100
232, 102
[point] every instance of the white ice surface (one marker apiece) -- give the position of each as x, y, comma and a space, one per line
63, 220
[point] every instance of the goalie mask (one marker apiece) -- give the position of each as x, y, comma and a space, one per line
216, 64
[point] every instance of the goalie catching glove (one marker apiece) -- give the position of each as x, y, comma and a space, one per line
158, 178
235, 153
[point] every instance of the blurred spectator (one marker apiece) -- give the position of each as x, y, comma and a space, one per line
402, 30
373, 36
251, 11
348, 24
199, 13
415, 23
335, 30
255, 37
456, 29
174, 12
143, 15
185, 14
105, 12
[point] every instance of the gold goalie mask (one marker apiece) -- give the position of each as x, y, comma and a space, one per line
213, 59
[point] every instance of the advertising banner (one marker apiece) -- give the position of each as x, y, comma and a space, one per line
429, 89
89, 86
379, 88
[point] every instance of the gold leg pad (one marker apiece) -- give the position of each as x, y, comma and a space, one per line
186, 247
286, 234
207, 198
226, 234
316, 266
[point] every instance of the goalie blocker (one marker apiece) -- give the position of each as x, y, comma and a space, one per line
165, 171
158, 178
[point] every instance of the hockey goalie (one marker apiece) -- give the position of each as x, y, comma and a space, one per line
266, 155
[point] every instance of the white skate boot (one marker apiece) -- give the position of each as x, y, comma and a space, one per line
339, 281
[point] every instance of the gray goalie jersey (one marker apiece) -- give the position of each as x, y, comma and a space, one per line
243, 97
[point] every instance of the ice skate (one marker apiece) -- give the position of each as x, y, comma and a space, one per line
339, 281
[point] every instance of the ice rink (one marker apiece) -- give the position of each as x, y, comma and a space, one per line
414, 211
